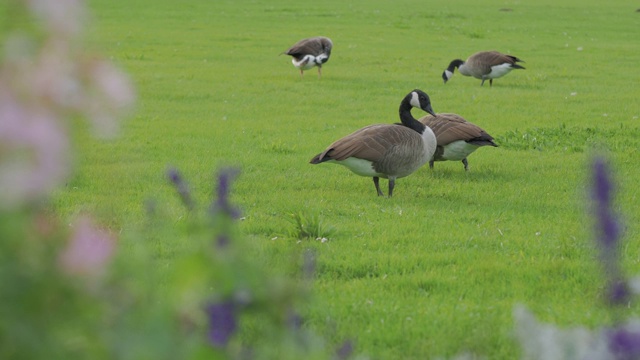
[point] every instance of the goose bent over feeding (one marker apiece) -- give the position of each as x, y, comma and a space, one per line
483, 65
457, 138
310, 52
388, 151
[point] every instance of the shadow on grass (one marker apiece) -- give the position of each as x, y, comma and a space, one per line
483, 175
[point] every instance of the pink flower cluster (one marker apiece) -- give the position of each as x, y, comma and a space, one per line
43, 83
89, 250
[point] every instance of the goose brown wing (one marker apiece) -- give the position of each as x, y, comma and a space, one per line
497, 58
369, 143
313, 46
483, 61
452, 127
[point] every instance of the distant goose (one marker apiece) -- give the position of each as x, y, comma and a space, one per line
388, 151
457, 138
483, 65
310, 52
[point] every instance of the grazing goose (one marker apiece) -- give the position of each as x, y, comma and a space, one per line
483, 65
457, 138
310, 52
388, 151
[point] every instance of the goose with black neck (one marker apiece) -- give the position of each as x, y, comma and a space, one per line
389, 151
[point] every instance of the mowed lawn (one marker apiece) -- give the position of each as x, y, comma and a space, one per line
437, 269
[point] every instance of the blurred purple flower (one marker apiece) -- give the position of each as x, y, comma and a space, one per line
222, 241
624, 344
345, 350
89, 250
222, 322
294, 320
608, 233
222, 205
618, 292
608, 229
181, 187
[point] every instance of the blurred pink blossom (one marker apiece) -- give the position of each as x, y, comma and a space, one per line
110, 95
64, 17
44, 82
89, 250
33, 151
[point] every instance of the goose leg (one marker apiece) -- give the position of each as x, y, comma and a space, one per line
376, 182
490, 82
466, 164
301, 73
482, 83
319, 72
431, 164
392, 184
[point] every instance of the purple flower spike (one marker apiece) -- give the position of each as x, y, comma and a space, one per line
602, 188
222, 203
608, 233
294, 320
222, 322
619, 292
222, 241
624, 344
345, 350
181, 186
602, 193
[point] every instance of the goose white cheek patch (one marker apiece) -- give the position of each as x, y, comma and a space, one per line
448, 74
415, 102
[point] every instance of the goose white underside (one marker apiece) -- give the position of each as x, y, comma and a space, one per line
499, 71
458, 150
309, 61
306, 63
359, 166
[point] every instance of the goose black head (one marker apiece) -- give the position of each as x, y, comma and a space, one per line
421, 100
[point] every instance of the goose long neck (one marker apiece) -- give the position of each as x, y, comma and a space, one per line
407, 118
455, 64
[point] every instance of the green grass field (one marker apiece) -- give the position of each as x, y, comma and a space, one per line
437, 269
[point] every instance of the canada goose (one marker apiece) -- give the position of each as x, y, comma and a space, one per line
310, 52
483, 65
389, 151
457, 138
